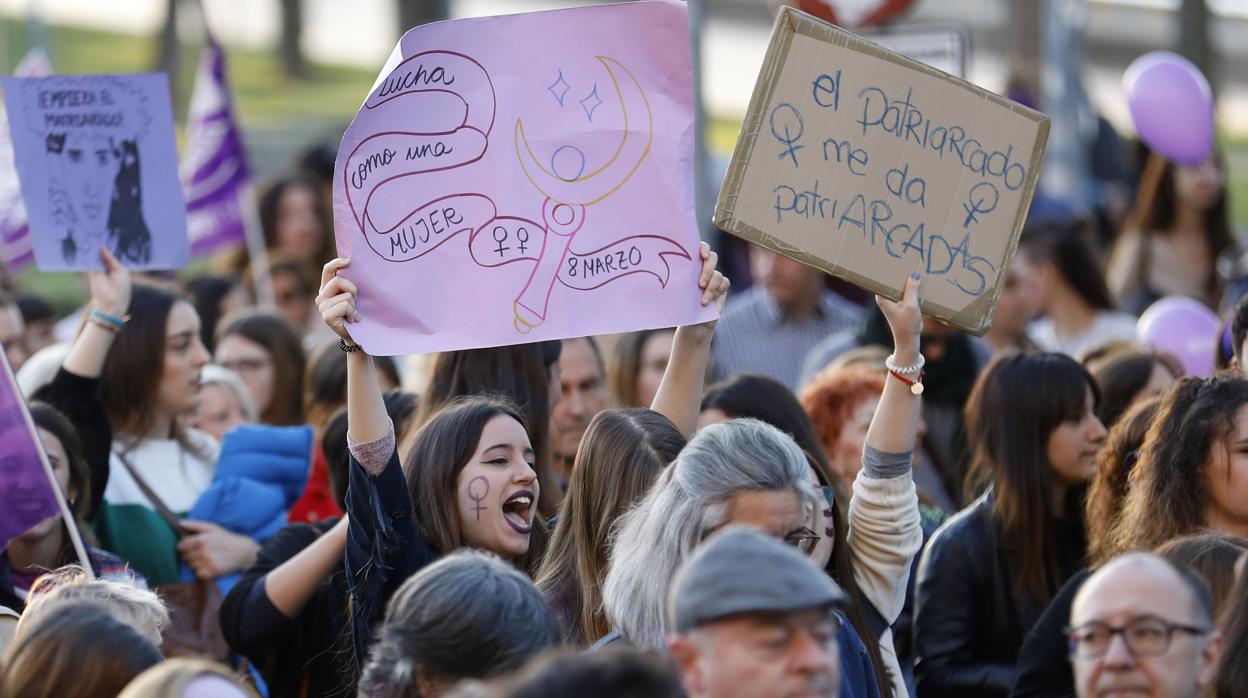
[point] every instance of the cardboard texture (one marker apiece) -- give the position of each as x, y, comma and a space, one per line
870, 166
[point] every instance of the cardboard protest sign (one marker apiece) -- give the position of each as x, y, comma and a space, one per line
98, 167
871, 166
29, 491
525, 177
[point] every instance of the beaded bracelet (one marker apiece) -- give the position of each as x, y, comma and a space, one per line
892, 365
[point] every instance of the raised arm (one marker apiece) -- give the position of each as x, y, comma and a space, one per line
382, 546
110, 299
884, 531
679, 397
264, 614
291, 585
74, 391
896, 421
367, 420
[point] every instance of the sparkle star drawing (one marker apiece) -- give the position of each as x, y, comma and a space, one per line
559, 88
590, 103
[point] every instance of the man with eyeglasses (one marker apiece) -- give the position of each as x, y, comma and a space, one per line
1142, 626
753, 617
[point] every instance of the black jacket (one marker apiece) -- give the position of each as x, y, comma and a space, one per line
968, 623
1044, 669
308, 655
78, 398
384, 547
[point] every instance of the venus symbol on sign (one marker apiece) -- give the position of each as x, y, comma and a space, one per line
789, 121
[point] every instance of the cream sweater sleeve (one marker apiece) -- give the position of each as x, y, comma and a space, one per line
884, 536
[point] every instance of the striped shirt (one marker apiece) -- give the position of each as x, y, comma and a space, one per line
754, 335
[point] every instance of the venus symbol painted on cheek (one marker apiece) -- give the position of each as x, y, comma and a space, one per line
478, 498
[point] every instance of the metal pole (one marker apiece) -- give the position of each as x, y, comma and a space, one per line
1066, 163
704, 190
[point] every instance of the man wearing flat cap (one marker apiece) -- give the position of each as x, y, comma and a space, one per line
753, 617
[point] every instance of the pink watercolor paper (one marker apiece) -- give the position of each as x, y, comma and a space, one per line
524, 177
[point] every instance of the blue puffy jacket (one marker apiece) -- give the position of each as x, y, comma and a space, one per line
261, 471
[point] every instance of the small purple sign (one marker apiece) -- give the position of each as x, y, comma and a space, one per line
98, 166
26, 492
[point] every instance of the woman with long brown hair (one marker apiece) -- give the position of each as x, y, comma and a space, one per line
1115, 461
1193, 469
1172, 249
266, 352
1078, 312
989, 572
1129, 377
638, 365
1044, 670
468, 481
526, 374
621, 454
149, 386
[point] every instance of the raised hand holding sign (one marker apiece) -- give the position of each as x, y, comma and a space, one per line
872, 166
528, 177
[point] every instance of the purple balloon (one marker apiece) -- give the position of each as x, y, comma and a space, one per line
1171, 105
1183, 327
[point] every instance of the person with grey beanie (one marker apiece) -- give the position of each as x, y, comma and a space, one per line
751, 616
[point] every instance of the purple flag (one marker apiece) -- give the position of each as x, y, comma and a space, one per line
26, 495
14, 231
214, 166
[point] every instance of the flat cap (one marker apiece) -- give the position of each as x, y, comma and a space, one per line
742, 570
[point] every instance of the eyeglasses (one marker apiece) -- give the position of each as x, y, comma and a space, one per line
1145, 637
245, 365
803, 539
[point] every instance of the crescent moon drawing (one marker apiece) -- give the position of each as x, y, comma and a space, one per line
594, 186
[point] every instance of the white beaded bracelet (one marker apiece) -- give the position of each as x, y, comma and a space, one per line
906, 370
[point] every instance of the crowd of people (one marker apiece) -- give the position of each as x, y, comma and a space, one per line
814, 495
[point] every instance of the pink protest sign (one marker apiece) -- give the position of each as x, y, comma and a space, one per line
524, 177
